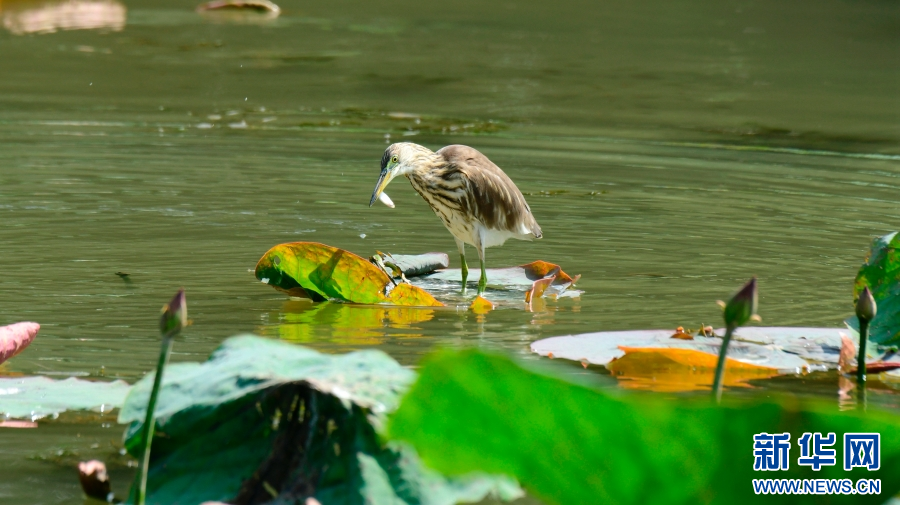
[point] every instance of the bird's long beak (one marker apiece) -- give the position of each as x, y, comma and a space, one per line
382, 183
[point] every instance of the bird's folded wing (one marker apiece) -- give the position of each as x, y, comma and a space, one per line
493, 198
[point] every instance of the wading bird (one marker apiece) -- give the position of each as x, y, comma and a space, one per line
475, 200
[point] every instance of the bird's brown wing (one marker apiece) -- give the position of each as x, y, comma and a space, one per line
493, 198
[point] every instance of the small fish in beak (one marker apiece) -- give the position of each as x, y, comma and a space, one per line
385, 199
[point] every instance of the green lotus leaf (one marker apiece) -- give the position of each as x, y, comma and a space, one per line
568, 443
881, 273
269, 422
322, 272
37, 397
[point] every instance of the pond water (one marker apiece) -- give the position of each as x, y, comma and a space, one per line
669, 150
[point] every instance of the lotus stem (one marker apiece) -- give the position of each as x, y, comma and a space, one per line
740, 309
861, 358
866, 310
173, 319
720, 365
861, 364
149, 421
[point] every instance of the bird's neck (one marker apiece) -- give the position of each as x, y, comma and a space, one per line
426, 165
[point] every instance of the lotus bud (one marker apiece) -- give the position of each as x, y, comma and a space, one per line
94, 480
740, 309
742, 306
865, 311
866, 308
174, 315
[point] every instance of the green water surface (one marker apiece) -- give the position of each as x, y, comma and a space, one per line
668, 149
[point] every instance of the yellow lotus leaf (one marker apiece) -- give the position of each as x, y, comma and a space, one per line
481, 305
322, 272
538, 288
676, 369
407, 294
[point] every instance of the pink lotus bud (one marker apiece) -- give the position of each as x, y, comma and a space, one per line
742, 306
174, 314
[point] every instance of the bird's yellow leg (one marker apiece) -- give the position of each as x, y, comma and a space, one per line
482, 283
462, 258
465, 270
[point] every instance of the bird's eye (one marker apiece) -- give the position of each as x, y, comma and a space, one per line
393, 159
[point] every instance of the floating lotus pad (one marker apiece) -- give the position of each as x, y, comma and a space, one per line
817, 345
679, 370
522, 276
785, 349
662, 360
412, 265
537, 278
322, 272
37, 397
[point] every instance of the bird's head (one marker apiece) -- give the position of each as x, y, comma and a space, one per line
399, 159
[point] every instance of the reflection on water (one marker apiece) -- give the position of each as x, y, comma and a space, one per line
405, 331
239, 11
23, 17
350, 325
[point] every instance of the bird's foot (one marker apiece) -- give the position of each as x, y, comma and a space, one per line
379, 262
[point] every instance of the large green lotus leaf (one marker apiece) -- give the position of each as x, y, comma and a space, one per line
881, 273
568, 443
322, 272
263, 416
37, 397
